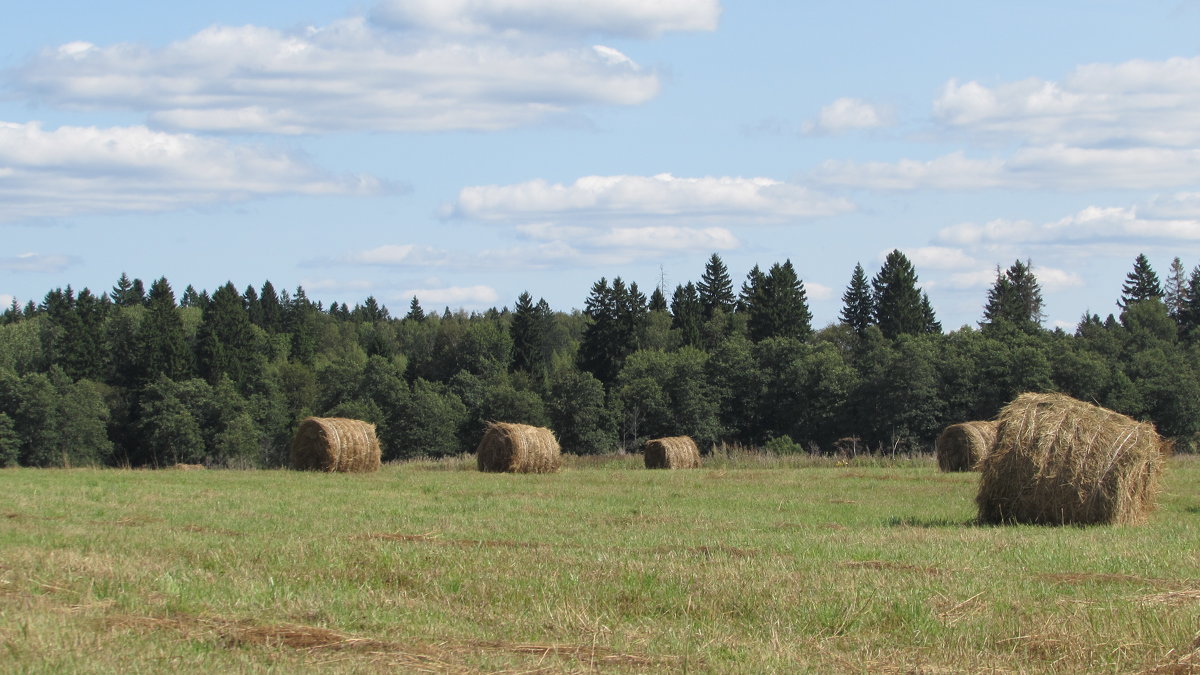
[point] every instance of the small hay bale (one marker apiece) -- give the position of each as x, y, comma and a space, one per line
1059, 461
335, 444
674, 452
962, 446
518, 448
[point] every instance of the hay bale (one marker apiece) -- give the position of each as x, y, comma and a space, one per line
960, 447
674, 452
518, 448
1059, 461
335, 444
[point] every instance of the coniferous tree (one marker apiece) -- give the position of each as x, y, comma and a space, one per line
1189, 310
253, 306
226, 343
415, 313
716, 288
189, 297
751, 289
527, 340
929, 319
658, 300
300, 320
1140, 284
271, 307
12, 314
137, 294
780, 306
899, 308
122, 293
687, 314
858, 310
1175, 289
1015, 298
162, 344
616, 314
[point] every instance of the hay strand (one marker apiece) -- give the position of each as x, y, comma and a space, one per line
1059, 461
961, 447
335, 444
674, 452
518, 448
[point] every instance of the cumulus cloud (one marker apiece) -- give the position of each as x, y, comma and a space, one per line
453, 296
1051, 167
349, 75
1138, 102
1089, 225
80, 170
625, 18
642, 197
36, 262
560, 243
390, 255
940, 258
847, 114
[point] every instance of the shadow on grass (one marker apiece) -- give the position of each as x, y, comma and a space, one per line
929, 522
1193, 509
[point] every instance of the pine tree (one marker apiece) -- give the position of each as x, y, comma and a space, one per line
716, 288
1175, 289
687, 313
658, 300
898, 304
858, 310
415, 313
1140, 284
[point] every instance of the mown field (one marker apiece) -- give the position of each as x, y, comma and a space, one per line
742, 566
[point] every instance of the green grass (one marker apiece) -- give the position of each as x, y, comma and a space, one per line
747, 565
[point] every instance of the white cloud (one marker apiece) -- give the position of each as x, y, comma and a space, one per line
819, 292
471, 297
36, 262
627, 18
398, 255
337, 285
641, 197
6, 300
1137, 102
615, 244
955, 171
80, 170
1087, 226
847, 114
941, 258
349, 75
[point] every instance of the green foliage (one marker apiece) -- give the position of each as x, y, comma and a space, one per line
900, 308
1015, 298
429, 423
10, 442
578, 414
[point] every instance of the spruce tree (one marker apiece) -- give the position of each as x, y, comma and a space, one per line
716, 288
122, 292
858, 311
527, 343
1189, 310
617, 317
162, 343
1175, 289
226, 342
899, 308
687, 311
1140, 284
751, 290
1015, 298
780, 306
415, 313
271, 307
253, 306
658, 300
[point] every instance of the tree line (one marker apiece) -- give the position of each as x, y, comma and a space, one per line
140, 377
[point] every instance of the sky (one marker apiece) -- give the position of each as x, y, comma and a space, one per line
465, 151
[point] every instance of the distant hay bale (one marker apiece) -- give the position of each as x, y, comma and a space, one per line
1059, 461
187, 467
962, 446
518, 448
335, 444
674, 452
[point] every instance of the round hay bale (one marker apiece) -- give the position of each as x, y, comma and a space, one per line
960, 447
518, 448
1059, 461
674, 452
335, 444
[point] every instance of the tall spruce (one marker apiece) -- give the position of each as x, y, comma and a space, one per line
687, 313
415, 313
617, 317
1189, 310
1140, 284
899, 307
1175, 289
658, 300
225, 341
526, 338
716, 287
271, 308
780, 306
858, 309
162, 342
1015, 298
751, 289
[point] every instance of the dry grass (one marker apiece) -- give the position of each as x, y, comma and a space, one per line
961, 447
518, 448
335, 444
674, 452
1059, 461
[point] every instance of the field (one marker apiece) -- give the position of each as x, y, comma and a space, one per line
743, 566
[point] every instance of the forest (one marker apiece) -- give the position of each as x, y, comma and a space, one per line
140, 377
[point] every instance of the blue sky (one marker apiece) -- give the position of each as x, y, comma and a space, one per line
467, 150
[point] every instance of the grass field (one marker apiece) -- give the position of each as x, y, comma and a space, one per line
742, 566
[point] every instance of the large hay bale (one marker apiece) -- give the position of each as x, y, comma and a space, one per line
1059, 461
518, 448
960, 447
335, 444
674, 452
